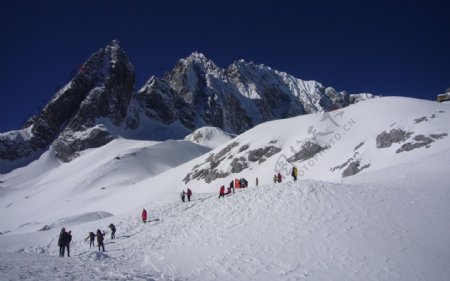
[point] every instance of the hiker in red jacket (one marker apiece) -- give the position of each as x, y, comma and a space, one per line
222, 192
144, 215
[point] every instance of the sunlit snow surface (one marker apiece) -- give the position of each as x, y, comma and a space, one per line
389, 222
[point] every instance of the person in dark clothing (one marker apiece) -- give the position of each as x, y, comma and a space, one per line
100, 238
279, 177
91, 238
113, 230
62, 241
189, 194
222, 192
182, 195
232, 185
68, 240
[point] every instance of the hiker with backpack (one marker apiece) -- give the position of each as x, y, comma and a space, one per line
91, 238
113, 231
222, 192
294, 173
100, 238
279, 177
232, 185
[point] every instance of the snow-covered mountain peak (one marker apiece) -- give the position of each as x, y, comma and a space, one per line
199, 60
99, 103
211, 137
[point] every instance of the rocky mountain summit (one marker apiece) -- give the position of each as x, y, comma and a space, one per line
99, 104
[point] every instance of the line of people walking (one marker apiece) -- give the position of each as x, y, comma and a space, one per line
66, 237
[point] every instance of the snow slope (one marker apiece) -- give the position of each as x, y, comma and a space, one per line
387, 222
363, 229
46, 190
211, 137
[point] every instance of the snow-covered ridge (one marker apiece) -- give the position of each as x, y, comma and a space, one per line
211, 137
371, 202
194, 94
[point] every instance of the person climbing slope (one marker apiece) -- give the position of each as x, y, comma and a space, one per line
189, 194
68, 240
100, 238
182, 195
294, 173
144, 215
91, 238
62, 241
113, 231
222, 191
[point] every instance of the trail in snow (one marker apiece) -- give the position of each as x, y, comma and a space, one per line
309, 230
390, 222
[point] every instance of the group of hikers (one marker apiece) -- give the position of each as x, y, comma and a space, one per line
183, 195
66, 237
242, 183
64, 242
278, 177
236, 183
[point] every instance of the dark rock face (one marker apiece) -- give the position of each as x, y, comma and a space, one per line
394, 136
107, 96
238, 164
354, 168
308, 150
438, 136
211, 171
67, 148
102, 89
160, 102
420, 141
261, 154
195, 93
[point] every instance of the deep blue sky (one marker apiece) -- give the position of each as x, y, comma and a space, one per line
384, 47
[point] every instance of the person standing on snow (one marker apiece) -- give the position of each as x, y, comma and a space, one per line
183, 195
62, 241
113, 231
222, 192
68, 240
189, 193
279, 177
294, 173
232, 185
275, 178
91, 238
257, 181
100, 238
144, 215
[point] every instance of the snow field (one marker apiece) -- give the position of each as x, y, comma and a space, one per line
390, 222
